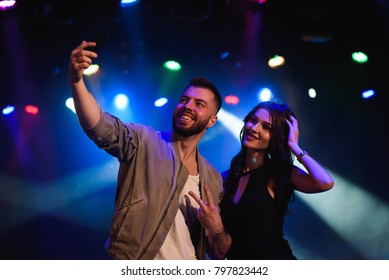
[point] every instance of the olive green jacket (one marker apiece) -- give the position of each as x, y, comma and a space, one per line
150, 178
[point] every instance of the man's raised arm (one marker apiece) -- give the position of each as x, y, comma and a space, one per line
87, 109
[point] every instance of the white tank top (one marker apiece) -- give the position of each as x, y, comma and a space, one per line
178, 245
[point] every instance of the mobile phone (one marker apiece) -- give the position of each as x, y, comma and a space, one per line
100, 41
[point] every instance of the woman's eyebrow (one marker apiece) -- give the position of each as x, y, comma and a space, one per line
267, 122
254, 117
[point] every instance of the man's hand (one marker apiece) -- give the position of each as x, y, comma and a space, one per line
208, 213
80, 59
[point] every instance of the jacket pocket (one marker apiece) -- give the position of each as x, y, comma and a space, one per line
126, 221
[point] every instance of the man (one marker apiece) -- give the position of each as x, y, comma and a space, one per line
164, 204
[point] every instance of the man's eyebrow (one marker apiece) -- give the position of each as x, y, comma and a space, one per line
201, 100
196, 99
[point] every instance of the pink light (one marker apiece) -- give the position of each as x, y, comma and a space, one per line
31, 109
231, 99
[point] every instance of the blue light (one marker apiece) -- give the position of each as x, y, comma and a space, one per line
8, 110
121, 101
124, 3
160, 102
224, 55
265, 94
368, 94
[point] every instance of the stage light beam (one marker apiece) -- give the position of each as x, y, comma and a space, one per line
232, 123
347, 209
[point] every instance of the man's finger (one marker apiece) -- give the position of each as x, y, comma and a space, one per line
208, 195
198, 199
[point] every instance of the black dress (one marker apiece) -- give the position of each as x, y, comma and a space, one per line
255, 223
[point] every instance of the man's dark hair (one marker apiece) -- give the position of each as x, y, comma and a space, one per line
202, 82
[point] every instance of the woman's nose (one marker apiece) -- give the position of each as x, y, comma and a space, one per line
256, 128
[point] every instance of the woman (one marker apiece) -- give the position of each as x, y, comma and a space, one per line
261, 180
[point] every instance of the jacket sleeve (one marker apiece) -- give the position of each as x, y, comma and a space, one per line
115, 137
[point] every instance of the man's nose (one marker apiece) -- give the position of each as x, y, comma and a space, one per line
189, 104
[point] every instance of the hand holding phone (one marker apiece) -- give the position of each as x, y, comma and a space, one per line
100, 41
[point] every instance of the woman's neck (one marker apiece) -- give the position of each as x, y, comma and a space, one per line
253, 160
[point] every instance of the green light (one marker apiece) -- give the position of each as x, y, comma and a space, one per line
172, 65
359, 57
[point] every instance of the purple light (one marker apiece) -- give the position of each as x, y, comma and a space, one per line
5, 5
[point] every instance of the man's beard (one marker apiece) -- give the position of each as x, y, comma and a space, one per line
196, 128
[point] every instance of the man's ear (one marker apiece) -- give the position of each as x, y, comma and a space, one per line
212, 121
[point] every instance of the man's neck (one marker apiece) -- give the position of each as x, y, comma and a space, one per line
188, 151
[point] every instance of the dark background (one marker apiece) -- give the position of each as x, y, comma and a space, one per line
57, 188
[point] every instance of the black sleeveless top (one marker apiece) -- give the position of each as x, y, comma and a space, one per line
255, 223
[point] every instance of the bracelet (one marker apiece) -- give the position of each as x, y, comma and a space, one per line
300, 156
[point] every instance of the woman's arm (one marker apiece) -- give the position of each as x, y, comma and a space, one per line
317, 178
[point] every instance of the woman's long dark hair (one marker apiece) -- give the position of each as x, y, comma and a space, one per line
278, 160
